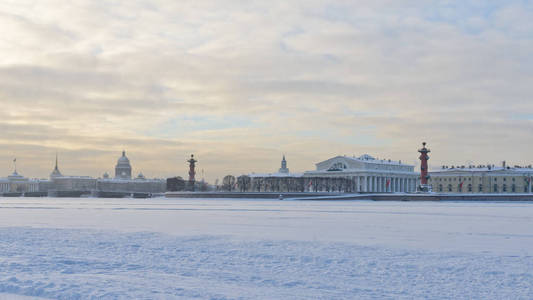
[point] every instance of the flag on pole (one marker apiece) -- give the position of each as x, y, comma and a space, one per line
388, 182
461, 184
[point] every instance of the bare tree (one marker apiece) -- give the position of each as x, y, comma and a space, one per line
244, 182
228, 183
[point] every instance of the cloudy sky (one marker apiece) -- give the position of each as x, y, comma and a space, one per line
239, 83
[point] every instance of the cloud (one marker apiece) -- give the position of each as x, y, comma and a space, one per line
240, 82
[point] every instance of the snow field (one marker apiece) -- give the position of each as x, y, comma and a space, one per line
243, 249
91, 264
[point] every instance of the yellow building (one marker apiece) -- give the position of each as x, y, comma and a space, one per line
481, 179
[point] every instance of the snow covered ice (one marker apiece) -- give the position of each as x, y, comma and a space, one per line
254, 249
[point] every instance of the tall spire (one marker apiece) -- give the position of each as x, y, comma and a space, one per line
283, 168
56, 172
56, 168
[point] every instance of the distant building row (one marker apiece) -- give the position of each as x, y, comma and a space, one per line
370, 175
338, 174
482, 179
122, 183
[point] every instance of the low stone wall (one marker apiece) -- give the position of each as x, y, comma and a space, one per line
372, 197
429, 197
238, 195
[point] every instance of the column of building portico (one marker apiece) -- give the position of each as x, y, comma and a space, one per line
374, 184
399, 184
395, 186
379, 184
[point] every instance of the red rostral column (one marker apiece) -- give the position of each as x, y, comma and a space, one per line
424, 157
192, 164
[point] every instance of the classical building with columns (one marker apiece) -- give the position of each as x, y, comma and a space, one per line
344, 174
361, 174
16, 183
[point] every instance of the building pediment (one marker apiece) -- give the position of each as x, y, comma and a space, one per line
337, 164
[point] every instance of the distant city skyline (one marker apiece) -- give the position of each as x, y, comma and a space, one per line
240, 83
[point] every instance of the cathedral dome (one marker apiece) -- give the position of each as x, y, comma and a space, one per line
123, 160
123, 167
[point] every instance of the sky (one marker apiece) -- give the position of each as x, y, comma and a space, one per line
240, 83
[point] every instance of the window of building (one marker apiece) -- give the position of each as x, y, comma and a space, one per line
513, 188
495, 189
504, 178
480, 188
449, 187
440, 187
459, 188
513, 179
526, 189
504, 188
470, 187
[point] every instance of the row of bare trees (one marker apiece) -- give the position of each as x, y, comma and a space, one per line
245, 183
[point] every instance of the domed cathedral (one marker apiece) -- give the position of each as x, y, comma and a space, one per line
123, 168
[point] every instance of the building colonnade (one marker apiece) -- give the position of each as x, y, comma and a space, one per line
368, 184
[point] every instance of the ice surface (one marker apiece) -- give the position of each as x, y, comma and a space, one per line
227, 249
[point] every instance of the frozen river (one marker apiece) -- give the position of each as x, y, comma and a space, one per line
249, 249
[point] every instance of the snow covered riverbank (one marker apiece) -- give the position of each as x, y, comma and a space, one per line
218, 249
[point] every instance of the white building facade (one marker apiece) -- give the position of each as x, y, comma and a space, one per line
341, 174
16, 183
366, 174
482, 179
